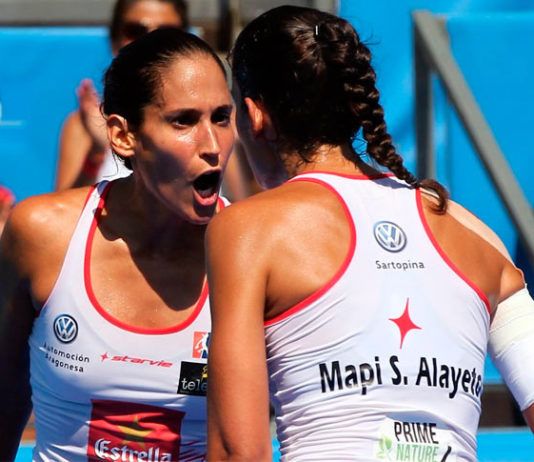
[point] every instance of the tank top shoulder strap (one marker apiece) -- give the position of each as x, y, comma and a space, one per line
332, 176
93, 203
73, 263
223, 202
354, 188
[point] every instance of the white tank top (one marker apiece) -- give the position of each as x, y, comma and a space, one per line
111, 168
104, 390
385, 362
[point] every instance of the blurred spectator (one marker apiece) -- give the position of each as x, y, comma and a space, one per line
84, 154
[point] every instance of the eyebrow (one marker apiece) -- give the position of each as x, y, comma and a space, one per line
224, 107
227, 107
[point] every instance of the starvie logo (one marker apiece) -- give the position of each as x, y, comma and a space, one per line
390, 236
65, 328
134, 360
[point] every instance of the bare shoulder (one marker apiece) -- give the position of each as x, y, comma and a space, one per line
464, 219
481, 229
37, 216
469, 220
281, 229
42, 225
280, 211
286, 243
469, 238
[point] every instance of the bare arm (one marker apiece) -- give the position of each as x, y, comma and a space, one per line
238, 398
512, 337
511, 334
83, 141
75, 146
16, 319
511, 346
32, 250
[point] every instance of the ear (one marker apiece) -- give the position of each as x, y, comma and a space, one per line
260, 120
122, 140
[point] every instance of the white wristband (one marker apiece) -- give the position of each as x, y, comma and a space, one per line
511, 345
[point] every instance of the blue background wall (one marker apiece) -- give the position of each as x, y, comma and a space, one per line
40, 70
495, 53
493, 42
41, 67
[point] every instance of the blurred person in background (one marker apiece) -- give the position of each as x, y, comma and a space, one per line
104, 316
84, 153
360, 302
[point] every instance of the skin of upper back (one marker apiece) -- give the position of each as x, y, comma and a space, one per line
299, 234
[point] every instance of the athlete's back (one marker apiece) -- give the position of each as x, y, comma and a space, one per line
365, 306
387, 362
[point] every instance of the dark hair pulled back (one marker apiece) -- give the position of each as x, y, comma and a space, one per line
122, 6
134, 78
314, 76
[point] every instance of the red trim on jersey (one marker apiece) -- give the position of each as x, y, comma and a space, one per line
90, 293
91, 189
360, 176
221, 203
444, 256
320, 292
38, 310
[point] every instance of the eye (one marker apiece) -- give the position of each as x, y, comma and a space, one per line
222, 116
185, 119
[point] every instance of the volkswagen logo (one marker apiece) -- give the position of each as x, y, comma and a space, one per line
65, 328
390, 236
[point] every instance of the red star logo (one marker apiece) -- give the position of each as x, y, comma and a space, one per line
404, 322
104, 356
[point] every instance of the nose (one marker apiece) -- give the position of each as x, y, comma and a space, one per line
210, 146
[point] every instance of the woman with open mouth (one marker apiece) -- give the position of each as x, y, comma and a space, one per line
104, 296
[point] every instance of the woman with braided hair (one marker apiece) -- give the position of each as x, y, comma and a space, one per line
355, 297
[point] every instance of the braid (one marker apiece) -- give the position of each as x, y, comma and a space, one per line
367, 109
314, 77
350, 61
371, 114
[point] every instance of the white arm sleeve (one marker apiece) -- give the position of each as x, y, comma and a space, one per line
511, 345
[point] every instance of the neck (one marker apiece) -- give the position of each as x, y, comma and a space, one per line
147, 226
335, 159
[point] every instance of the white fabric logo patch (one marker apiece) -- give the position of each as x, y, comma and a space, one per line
414, 441
390, 236
65, 328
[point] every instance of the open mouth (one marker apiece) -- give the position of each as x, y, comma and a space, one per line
207, 185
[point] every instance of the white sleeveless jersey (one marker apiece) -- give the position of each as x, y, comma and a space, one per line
386, 361
106, 391
111, 168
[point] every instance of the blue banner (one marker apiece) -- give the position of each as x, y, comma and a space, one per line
41, 68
